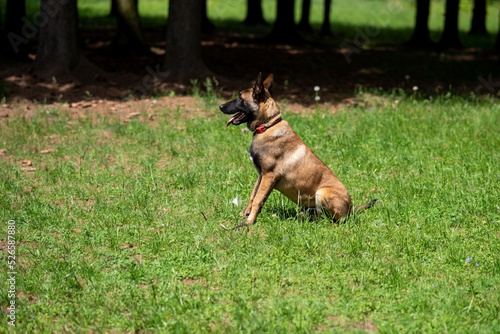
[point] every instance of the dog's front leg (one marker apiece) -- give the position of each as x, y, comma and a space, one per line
263, 187
266, 185
248, 209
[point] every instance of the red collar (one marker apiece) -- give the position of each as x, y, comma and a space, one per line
261, 128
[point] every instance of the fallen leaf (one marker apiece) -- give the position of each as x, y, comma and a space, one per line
137, 257
47, 151
83, 104
28, 189
131, 115
28, 169
54, 139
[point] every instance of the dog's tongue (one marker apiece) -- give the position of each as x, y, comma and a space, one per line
231, 120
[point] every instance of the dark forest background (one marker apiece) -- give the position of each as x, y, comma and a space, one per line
111, 48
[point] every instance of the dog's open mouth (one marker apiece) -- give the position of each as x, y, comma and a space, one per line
237, 119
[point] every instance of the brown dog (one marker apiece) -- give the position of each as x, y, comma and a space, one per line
282, 159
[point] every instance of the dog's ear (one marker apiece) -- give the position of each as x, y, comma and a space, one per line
258, 88
268, 83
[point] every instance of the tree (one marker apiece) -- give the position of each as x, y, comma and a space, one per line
13, 38
325, 28
128, 24
59, 54
113, 10
497, 44
206, 25
284, 30
478, 23
450, 37
183, 60
304, 24
254, 13
420, 37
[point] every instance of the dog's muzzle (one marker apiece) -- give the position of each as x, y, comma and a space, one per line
223, 108
230, 108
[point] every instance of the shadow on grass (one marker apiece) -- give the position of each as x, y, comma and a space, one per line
341, 65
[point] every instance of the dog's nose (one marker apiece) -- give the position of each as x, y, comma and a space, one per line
222, 106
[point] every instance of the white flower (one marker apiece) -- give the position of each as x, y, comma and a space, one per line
317, 98
235, 201
407, 77
415, 88
316, 88
396, 101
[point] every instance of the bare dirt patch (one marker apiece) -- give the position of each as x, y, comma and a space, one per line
194, 281
340, 322
237, 60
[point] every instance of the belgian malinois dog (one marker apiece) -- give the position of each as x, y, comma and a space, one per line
282, 159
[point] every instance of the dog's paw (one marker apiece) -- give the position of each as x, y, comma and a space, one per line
245, 213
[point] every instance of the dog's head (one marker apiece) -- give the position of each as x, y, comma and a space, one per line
251, 105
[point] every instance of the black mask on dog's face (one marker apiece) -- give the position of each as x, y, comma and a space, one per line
246, 106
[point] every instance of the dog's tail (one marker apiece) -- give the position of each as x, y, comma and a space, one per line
364, 206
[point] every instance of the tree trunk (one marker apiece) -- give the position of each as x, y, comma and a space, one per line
325, 28
420, 37
478, 24
284, 30
183, 60
59, 54
13, 39
254, 13
450, 37
497, 44
114, 9
206, 25
128, 24
304, 24
14, 12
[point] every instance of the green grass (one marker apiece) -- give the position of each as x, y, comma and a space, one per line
118, 226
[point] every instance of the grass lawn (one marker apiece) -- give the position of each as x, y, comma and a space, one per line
116, 206
117, 221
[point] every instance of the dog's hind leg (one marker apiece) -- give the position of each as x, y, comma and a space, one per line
335, 204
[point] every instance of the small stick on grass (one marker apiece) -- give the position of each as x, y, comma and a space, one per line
242, 224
